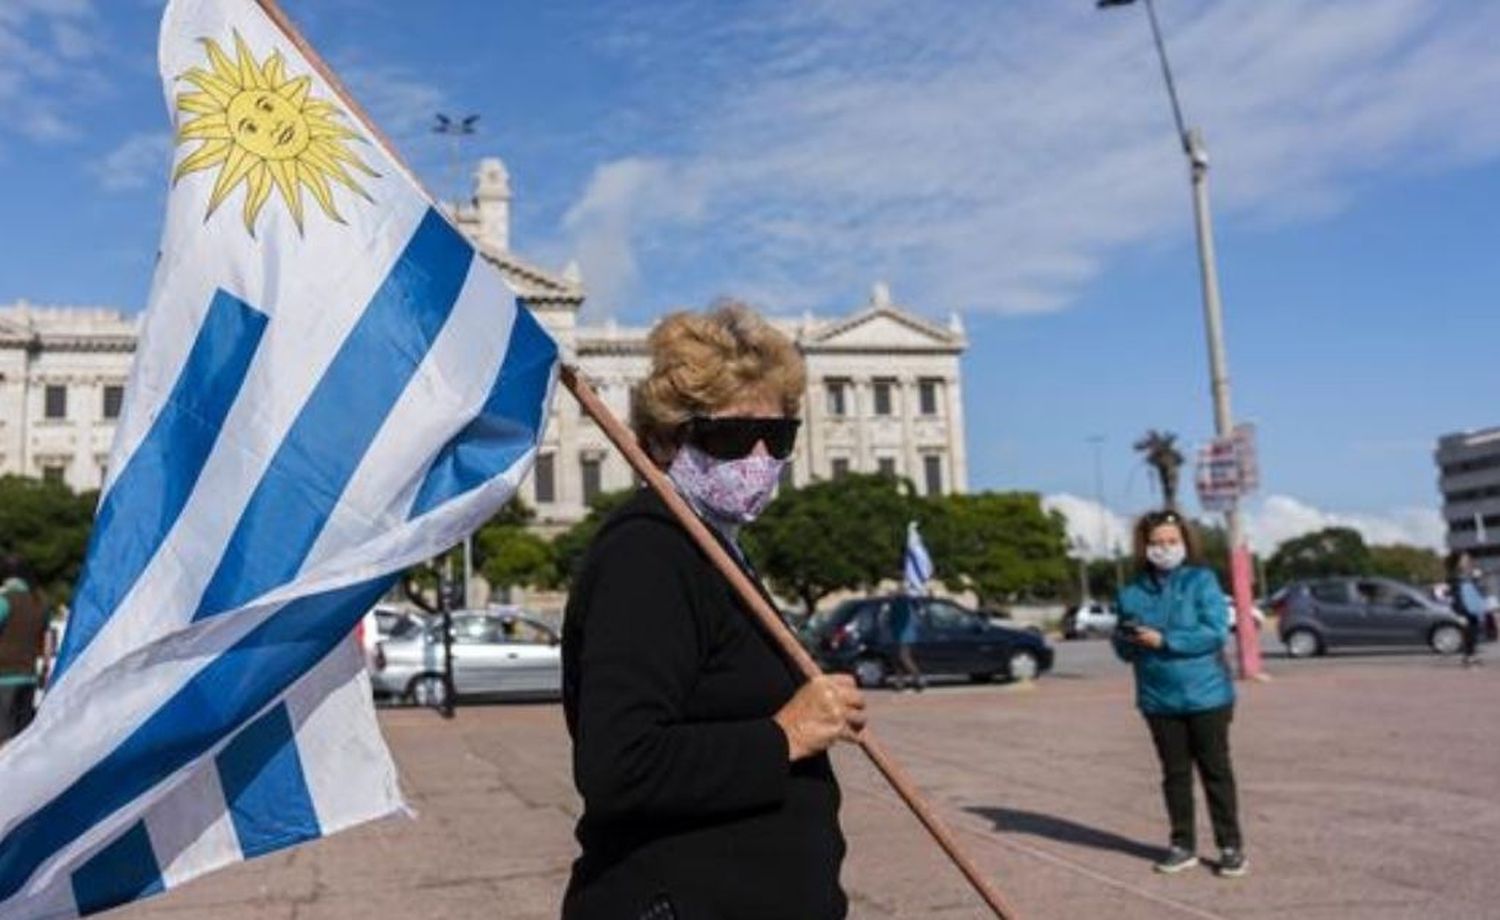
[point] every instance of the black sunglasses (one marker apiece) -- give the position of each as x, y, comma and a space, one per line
1157, 518
733, 438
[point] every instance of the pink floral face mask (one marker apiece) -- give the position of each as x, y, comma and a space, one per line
736, 491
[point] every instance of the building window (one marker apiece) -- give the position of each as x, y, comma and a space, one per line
590, 466
927, 396
114, 398
838, 397
56, 401
53, 472
932, 469
887, 466
883, 390
544, 479
840, 467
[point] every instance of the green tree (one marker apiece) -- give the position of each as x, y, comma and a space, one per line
842, 534
47, 525
1412, 564
1330, 551
514, 555
1000, 545
569, 546
1213, 546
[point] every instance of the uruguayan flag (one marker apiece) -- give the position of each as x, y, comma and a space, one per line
917, 563
330, 386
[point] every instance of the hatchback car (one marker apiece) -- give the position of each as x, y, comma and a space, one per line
1320, 614
1090, 618
502, 653
857, 638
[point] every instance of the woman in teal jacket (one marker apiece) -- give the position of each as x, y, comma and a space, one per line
1174, 623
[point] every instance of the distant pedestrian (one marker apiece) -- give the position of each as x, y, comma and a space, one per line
1173, 625
917, 570
1467, 601
23, 630
904, 625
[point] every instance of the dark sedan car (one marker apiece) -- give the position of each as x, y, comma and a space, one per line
1326, 613
856, 638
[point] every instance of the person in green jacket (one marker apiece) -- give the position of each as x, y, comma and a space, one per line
1173, 625
23, 626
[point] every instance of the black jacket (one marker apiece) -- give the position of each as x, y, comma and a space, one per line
669, 689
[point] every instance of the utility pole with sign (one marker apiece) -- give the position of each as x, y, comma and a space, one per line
1246, 635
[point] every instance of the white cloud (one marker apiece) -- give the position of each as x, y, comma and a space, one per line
622, 198
1268, 523
998, 164
399, 102
137, 162
1278, 518
1092, 528
47, 50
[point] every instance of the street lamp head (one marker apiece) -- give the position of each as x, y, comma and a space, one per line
446, 125
1105, 4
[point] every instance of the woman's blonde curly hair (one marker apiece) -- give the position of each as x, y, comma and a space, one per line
702, 362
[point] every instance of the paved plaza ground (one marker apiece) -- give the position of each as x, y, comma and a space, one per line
1370, 789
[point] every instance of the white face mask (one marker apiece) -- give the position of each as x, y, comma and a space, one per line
1166, 556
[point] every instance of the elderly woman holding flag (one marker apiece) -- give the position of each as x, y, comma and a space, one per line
701, 761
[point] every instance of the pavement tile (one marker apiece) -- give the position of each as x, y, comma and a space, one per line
1368, 791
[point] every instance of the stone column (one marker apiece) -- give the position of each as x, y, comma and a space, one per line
958, 463
909, 405
810, 448
863, 414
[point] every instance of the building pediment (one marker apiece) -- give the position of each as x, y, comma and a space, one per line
883, 328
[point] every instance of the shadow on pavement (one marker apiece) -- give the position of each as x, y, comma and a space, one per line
1016, 821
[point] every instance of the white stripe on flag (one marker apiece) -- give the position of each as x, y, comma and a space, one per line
190, 830
303, 408
346, 765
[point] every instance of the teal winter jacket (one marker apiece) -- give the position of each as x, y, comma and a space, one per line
1189, 672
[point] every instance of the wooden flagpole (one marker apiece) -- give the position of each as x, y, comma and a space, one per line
771, 622
622, 438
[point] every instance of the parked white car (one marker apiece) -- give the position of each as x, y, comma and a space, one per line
496, 653
1090, 618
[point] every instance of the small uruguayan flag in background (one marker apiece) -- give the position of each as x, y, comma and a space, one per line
918, 564
330, 386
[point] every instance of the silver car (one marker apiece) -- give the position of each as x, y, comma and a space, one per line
502, 653
1324, 613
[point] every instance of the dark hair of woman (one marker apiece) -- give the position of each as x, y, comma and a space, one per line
1154, 519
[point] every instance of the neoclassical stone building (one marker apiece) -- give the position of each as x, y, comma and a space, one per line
62, 381
883, 385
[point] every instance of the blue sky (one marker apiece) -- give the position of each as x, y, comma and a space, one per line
1012, 162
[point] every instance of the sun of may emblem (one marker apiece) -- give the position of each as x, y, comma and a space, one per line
262, 130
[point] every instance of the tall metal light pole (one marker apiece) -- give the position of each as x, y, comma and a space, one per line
1193, 147
455, 131
1098, 441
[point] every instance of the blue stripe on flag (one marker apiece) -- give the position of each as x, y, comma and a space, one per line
264, 787
123, 871
232, 688
150, 492
505, 428
328, 440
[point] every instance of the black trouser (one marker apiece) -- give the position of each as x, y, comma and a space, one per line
907, 664
1200, 738
1471, 635
15, 709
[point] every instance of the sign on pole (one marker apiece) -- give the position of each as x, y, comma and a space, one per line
1228, 469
